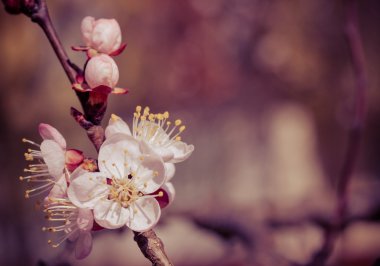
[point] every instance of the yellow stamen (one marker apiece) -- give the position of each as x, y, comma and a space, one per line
115, 118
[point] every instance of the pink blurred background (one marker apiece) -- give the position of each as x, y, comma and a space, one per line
265, 89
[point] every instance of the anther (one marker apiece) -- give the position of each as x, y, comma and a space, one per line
114, 118
178, 122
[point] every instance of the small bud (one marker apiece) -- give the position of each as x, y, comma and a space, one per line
101, 70
103, 35
48, 132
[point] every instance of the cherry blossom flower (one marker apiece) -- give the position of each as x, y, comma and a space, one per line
155, 134
121, 192
53, 159
69, 221
101, 36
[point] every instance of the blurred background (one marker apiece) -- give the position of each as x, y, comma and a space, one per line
265, 89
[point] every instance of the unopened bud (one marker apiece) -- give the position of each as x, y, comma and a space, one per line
103, 35
101, 70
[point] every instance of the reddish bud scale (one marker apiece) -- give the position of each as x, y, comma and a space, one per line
13, 6
19, 6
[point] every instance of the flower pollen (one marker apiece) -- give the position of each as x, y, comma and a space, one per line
38, 174
63, 212
155, 128
123, 189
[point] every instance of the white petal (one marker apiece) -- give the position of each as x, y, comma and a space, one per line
86, 190
85, 220
117, 125
115, 152
150, 173
164, 153
83, 245
87, 27
145, 213
110, 214
77, 172
169, 171
48, 132
181, 151
54, 157
59, 189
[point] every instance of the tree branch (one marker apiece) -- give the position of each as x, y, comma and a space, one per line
353, 37
150, 245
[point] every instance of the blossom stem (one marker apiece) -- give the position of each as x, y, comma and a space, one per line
42, 18
152, 248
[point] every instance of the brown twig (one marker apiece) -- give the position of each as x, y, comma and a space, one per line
353, 37
150, 245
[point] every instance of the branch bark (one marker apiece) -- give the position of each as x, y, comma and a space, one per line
150, 244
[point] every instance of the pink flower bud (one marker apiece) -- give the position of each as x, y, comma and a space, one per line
103, 35
48, 132
101, 70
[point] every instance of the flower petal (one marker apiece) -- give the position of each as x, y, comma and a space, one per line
164, 153
86, 190
48, 132
116, 125
106, 36
85, 220
181, 151
150, 173
169, 171
115, 152
54, 157
59, 189
77, 173
110, 214
83, 245
87, 27
145, 213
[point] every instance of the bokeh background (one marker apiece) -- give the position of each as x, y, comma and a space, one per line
265, 89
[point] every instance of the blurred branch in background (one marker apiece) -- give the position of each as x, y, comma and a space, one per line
354, 41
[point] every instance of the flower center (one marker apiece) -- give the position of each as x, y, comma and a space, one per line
155, 128
123, 191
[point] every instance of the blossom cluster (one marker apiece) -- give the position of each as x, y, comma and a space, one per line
129, 182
